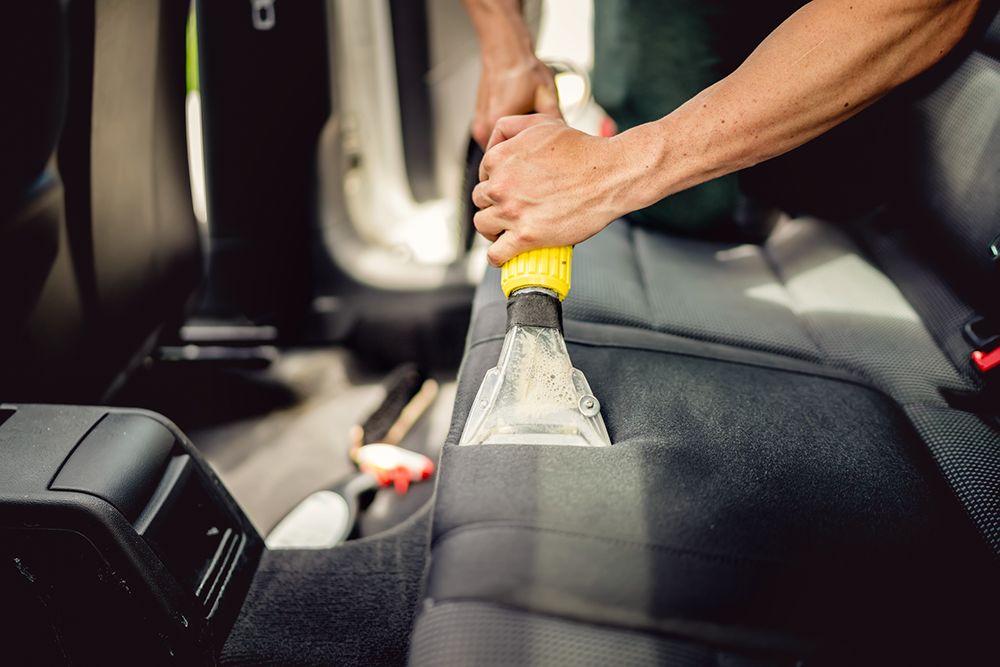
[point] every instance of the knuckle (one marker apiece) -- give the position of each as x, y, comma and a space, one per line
512, 209
496, 190
489, 160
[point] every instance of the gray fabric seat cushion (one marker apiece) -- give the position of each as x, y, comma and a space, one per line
764, 491
764, 509
808, 293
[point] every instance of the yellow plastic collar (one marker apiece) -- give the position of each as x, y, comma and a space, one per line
546, 267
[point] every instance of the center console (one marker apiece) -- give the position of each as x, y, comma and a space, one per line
117, 542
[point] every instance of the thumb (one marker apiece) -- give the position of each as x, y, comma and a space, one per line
509, 127
547, 100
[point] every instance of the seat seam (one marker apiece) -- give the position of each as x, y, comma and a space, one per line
779, 276
669, 627
494, 524
831, 373
641, 274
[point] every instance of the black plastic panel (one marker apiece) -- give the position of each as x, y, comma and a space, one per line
196, 539
121, 460
265, 99
61, 597
142, 557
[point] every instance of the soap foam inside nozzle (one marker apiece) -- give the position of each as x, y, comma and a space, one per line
535, 396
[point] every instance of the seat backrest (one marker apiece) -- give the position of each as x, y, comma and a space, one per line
948, 197
42, 316
265, 99
121, 245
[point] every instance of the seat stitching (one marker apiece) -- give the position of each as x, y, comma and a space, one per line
804, 322
720, 636
822, 371
494, 524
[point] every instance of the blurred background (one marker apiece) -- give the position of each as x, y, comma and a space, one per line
248, 215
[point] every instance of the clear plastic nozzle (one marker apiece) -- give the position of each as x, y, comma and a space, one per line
534, 396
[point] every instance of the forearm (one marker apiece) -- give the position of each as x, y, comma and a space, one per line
827, 62
511, 80
501, 29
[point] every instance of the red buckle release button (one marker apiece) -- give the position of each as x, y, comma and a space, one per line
985, 361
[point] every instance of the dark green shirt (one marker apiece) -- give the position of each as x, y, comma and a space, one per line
651, 56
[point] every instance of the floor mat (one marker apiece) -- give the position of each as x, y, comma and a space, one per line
351, 605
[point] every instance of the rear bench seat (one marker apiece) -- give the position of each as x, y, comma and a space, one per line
804, 464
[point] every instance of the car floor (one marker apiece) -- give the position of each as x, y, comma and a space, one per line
277, 434
274, 435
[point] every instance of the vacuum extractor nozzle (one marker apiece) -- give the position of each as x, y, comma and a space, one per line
534, 396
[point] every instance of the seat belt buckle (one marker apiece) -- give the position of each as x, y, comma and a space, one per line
984, 334
986, 360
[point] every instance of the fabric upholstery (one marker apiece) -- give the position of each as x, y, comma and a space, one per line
799, 471
751, 497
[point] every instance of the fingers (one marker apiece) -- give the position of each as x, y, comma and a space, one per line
488, 224
481, 197
547, 100
485, 165
487, 220
507, 128
505, 247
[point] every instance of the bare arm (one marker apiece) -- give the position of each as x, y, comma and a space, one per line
511, 80
545, 184
827, 62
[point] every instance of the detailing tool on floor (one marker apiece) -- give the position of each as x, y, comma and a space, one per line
375, 445
328, 517
534, 396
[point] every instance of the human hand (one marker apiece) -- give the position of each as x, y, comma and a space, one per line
543, 184
511, 85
